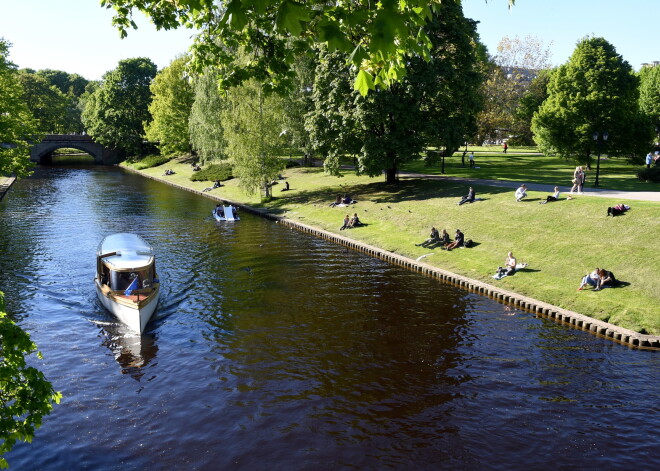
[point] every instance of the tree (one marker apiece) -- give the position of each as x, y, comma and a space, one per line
25, 394
117, 111
595, 91
510, 74
205, 124
529, 104
18, 128
298, 104
170, 108
379, 36
453, 78
435, 103
253, 130
47, 103
65, 82
649, 95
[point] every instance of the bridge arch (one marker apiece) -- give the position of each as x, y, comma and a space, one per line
42, 152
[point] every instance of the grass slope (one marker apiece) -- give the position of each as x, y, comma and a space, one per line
560, 241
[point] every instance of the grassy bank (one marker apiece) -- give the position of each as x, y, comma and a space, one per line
560, 241
615, 174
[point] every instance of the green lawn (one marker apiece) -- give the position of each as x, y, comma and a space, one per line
561, 241
615, 174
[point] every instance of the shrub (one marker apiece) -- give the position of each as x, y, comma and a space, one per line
649, 174
213, 172
150, 161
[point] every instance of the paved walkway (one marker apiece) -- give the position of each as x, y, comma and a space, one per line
601, 192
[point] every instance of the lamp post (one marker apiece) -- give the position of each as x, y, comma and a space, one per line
604, 135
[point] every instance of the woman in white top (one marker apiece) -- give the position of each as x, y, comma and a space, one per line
592, 279
553, 197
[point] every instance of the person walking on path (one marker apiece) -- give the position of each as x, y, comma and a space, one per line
505, 146
649, 160
577, 178
471, 159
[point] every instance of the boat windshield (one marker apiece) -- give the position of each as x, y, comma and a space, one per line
120, 280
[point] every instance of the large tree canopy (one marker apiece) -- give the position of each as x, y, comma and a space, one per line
380, 37
170, 108
18, 128
595, 91
205, 124
115, 113
435, 104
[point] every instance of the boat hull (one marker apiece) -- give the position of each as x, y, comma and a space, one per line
134, 314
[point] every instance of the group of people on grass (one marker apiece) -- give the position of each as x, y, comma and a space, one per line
653, 158
443, 240
599, 279
351, 222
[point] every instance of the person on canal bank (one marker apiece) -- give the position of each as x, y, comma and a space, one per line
521, 192
469, 198
509, 267
591, 279
459, 240
434, 238
355, 221
471, 159
553, 197
606, 279
347, 223
505, 146
444, 238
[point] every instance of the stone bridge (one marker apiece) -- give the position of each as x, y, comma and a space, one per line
42, 152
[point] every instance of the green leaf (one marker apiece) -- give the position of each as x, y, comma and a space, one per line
363, 82
291, 17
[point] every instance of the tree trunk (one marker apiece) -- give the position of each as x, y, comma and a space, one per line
390, 175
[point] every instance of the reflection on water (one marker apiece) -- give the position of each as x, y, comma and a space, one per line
272, 349
132, 351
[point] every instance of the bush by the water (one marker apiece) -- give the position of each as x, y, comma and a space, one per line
649, 174
213, 172
150, 161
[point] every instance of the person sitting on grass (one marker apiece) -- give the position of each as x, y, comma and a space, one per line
459, 239
434, 238
469, 198
337, 202
509, 267
553, 197
521, 192
591, 279
606, 279
347, 223
444, 238
355, 221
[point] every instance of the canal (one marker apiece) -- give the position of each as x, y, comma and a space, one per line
271, 349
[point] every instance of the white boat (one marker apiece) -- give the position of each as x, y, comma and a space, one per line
126, 280
225, 213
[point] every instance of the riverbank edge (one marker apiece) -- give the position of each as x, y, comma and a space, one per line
5, 185
538, 308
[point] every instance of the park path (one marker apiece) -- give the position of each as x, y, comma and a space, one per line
601, 192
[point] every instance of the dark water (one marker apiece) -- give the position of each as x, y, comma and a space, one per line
275, 350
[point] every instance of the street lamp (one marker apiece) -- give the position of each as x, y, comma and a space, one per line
599, 142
